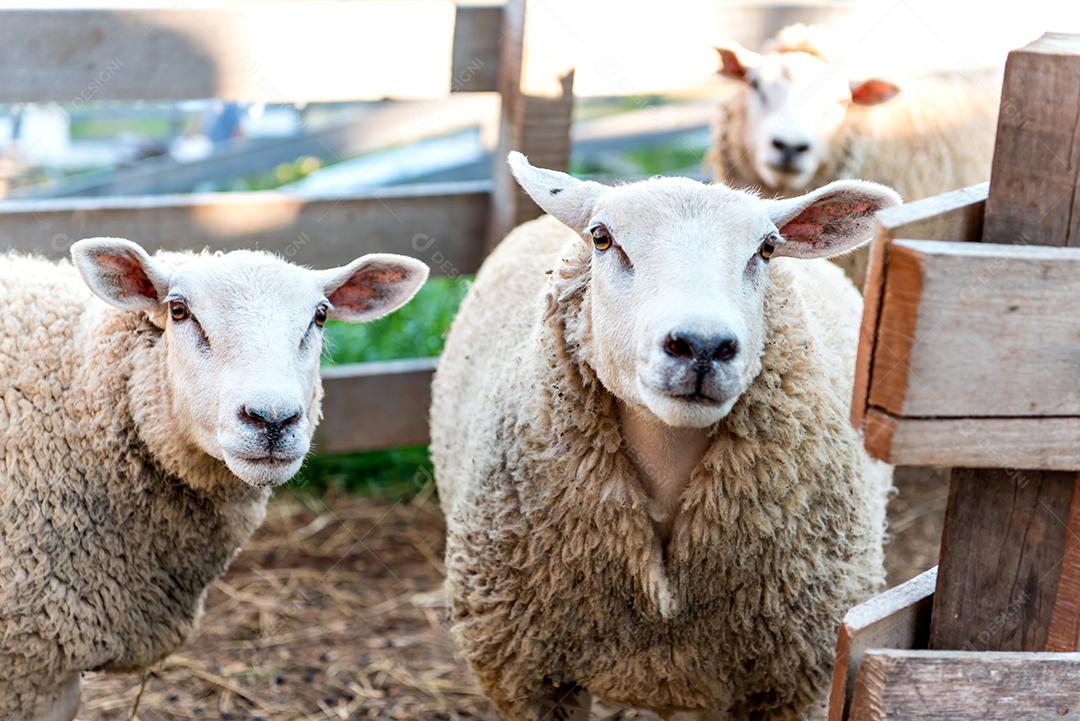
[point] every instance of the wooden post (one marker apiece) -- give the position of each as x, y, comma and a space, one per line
536, 82
1009, 577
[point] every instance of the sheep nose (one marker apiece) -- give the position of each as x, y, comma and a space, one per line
789, 151
700, 349
271, 420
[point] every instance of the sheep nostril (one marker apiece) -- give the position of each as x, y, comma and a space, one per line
779, 144
677, 347
725, 350
269, 420
801, 148
252, 416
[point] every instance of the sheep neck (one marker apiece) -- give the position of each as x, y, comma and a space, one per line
665, 458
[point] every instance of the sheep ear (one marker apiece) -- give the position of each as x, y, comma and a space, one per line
873, 91
831, 220
121, 273
735, 60
372, 285
568, 199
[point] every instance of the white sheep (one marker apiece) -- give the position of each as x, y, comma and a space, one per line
642, 449
798, 120
140, 438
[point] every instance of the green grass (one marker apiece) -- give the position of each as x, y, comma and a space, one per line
416, 331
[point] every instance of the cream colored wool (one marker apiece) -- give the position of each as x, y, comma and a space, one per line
555, 575
111, 527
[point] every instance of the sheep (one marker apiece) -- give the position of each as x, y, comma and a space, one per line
141, 432
639, 429
797, 120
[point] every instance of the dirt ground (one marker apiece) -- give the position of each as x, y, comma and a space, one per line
335, 611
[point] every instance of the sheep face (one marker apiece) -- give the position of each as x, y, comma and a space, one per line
679, 276
794, 106
242, 335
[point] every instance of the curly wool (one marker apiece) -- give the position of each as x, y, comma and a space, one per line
111, 526
554, 571
936, 135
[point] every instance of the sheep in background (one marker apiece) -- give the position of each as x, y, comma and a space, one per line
798, 120
140, 437
642, 449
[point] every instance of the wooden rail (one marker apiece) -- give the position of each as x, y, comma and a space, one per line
441, 224
258, 51
369, 406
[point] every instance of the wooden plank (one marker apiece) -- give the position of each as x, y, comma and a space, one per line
959, 318
536, 83
1048, 444
442, 225
265, 50
897, 618
370, 406
1007, 534
956, 215
965, 686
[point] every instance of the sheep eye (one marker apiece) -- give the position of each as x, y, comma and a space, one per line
768, 246
320, 315
178, 310
601, 237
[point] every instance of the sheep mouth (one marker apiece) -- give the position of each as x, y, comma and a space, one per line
698, 398
270, 460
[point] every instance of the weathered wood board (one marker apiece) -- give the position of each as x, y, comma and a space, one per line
370, 406
441, 224
966, 686
253, 51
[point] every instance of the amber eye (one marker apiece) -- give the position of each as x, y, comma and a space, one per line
601, 237
178, 310
320, 315
768, 246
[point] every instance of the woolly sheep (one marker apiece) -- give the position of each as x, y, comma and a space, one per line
797, 120
641, 445
141, 432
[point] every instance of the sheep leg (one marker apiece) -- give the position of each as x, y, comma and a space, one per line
64, 703
568, 702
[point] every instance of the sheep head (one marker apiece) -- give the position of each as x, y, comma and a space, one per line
679, 275
242, 334
795, 102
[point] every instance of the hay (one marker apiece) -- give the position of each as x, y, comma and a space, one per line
335, 611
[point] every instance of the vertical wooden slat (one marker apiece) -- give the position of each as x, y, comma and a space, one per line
1009, 549
536, 83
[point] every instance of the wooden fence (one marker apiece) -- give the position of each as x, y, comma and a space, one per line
278, 51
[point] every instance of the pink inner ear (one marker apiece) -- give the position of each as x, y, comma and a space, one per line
872, 92
126, 273
730, 67
809, 225
365, 286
